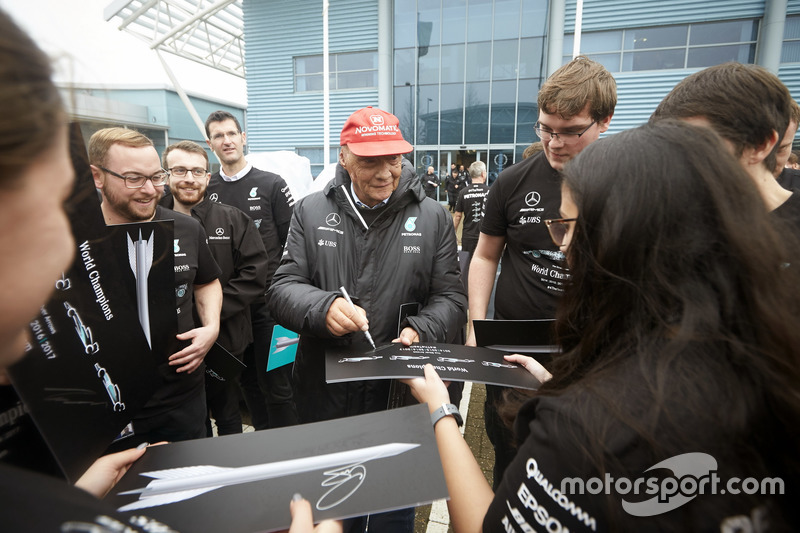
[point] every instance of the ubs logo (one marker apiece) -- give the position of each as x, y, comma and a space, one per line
220, 232
532, 199
333, 219
214, 197
253, 192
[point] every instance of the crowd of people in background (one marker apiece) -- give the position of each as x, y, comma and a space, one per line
667, 256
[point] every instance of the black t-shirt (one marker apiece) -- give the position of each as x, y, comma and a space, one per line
33, 502
551, 486
471, 201
789, 212
789, 178
266, 198
194, 265
533, 269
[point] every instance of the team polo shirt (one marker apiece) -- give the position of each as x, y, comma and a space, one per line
266, 198
194, 265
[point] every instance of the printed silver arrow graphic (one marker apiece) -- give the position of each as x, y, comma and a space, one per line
140, 255
178, 484
284, 342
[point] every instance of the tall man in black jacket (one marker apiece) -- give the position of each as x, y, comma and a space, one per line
240, 254
266, 198
375, 232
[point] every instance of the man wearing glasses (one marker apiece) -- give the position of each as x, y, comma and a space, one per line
575, 106
240, 254
266, 198
127, 172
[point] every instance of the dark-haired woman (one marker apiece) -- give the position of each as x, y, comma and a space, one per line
676, 402
36, 246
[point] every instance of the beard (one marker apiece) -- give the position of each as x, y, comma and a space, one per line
189, 196
128, 208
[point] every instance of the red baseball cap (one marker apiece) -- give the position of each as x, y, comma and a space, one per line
373, 132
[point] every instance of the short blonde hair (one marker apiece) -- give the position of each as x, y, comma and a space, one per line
102, 141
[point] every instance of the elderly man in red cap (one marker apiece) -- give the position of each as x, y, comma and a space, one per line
373, 231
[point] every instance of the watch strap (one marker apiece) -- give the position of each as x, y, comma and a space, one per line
447, 409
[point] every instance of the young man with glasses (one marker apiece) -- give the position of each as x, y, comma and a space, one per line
575, 106
127, 172
240, 254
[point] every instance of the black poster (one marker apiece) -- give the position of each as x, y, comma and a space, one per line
453, 362
93, 350
517, 336
243, 483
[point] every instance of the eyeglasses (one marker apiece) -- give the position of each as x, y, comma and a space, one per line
558, 228
180, 172
566, 138
137, 181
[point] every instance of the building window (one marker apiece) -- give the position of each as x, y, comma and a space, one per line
350, 70
791, 40
671, 47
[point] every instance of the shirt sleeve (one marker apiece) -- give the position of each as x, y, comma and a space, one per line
494, 218
282, 206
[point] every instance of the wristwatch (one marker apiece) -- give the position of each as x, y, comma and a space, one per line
447, 409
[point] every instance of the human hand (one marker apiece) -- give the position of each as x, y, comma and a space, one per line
104, 473
531, 365
343, 318
303, 520
192, 356
430, 389
407, 337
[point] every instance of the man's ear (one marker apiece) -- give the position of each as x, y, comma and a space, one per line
342, 159
761, 151
605, 123
97, 176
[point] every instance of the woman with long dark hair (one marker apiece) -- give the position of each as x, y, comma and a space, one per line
36, 246
675, 403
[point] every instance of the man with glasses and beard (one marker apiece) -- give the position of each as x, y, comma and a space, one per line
575, 106
127, 172
240, 254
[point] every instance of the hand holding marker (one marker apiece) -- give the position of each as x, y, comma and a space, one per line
366, 331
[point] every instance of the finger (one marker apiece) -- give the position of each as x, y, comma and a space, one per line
329, 526
302, 519
191, 367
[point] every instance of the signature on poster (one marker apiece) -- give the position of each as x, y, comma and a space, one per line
178, 484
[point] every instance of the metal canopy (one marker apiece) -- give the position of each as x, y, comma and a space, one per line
210, 32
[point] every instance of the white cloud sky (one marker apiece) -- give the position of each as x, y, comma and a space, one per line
89, 50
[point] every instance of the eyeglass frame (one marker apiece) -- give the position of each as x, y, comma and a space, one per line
191, 171
558, 135
550, 221
126, 178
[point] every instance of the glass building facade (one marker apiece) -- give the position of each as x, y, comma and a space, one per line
466, 76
